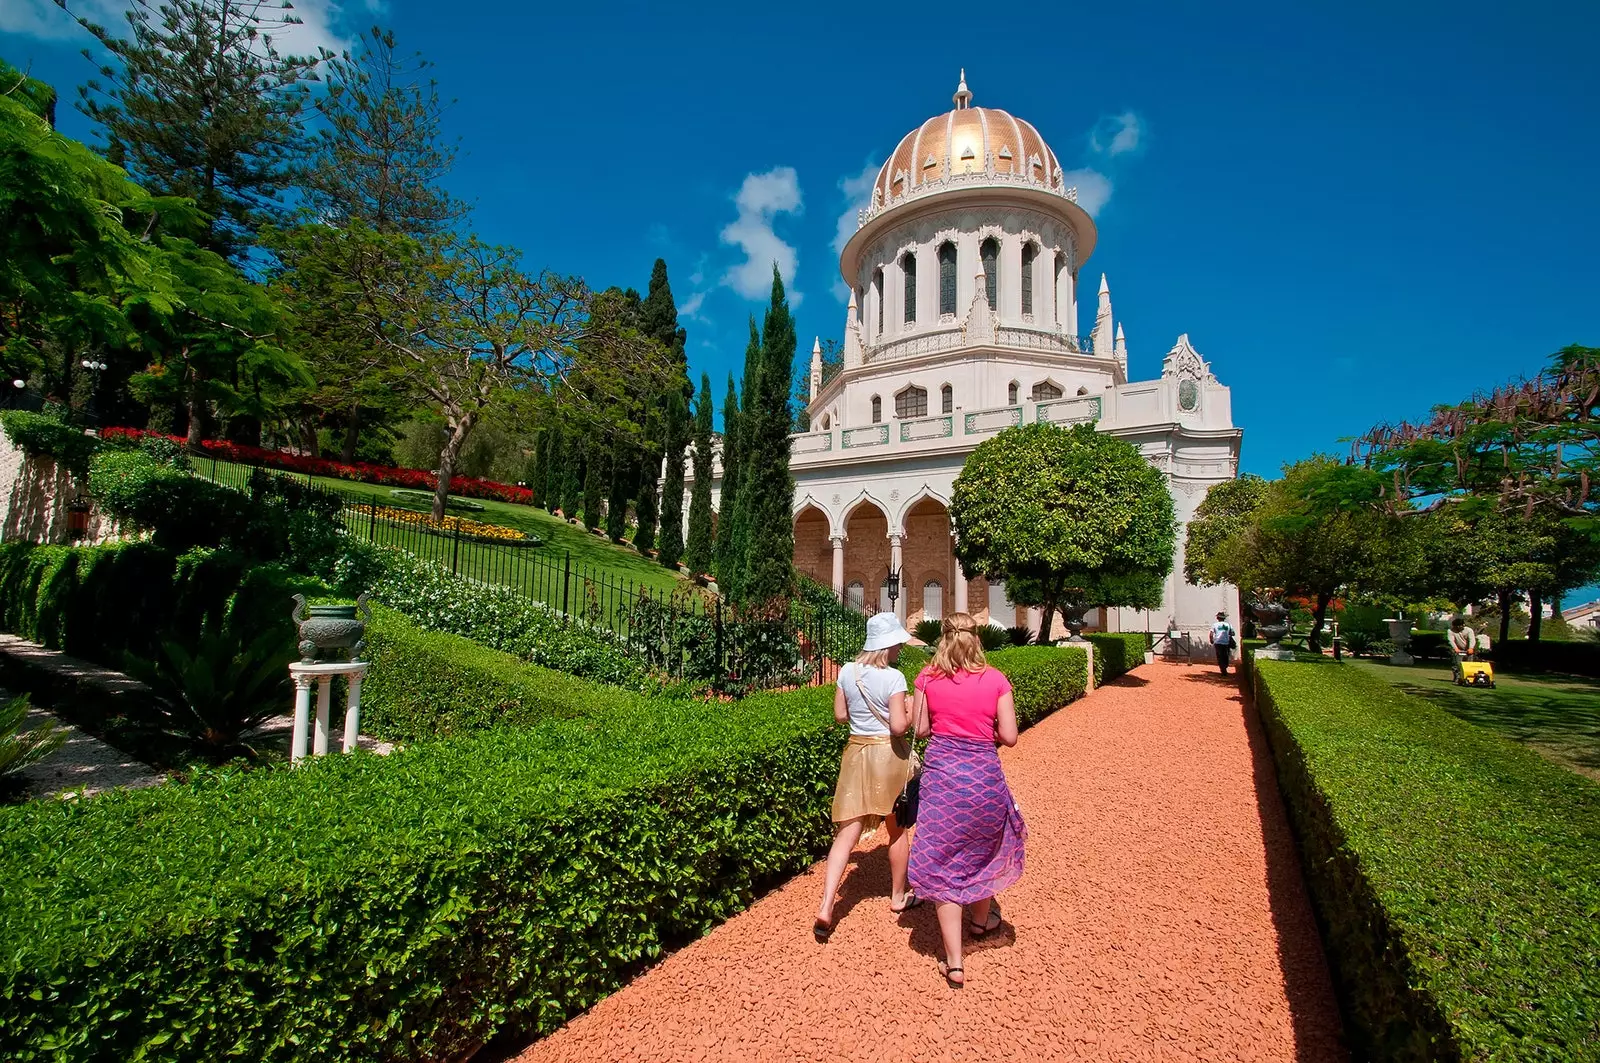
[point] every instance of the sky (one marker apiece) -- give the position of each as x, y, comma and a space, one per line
1355, 210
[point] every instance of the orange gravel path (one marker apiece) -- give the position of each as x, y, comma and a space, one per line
1162, 916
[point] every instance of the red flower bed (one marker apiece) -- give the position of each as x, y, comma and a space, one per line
360, 471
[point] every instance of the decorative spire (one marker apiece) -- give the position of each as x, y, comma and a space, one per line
1104, 324
1105, 289
963, 96
1121, 352
816, 368
853, 355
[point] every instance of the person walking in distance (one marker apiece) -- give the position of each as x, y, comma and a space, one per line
970, 834
1222, 639
875, 767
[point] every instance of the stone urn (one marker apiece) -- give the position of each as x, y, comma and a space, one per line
327, 629
1400, 635
1272, 623
1072, 614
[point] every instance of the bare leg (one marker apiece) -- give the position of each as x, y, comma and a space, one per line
899, 860
980, 912
950, 915
844, 841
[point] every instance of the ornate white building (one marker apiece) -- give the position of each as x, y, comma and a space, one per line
963, 321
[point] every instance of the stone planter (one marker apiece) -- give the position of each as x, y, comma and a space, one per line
1400, 635
1272, 624
329, 629
1072, 614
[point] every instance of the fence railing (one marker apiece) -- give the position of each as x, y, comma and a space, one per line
689, 633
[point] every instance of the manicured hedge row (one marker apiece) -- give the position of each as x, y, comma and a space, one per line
1456, 875
425, 683
1575, 658
1116, 653
40, 435
410, 907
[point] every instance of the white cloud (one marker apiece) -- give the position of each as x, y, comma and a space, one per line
762, 197
325, 23
1116, 134
1094, 188
691, 306
858, 196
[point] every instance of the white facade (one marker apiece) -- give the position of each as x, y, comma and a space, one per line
963, 321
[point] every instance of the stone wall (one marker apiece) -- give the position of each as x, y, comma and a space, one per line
35, 498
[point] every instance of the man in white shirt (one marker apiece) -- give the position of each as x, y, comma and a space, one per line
1223, 638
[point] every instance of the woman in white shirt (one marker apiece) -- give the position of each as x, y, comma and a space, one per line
871, 698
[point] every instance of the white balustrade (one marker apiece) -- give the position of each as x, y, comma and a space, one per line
303, 675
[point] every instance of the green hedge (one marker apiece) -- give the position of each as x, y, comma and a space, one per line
1456, 875
39, 435
425, 683
1043, 678
1116, 653
1574, 658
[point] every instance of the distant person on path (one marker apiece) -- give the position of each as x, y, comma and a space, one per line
1223, 638
970, 834
871, 698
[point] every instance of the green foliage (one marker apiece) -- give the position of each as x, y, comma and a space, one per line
928, 630
1020, 635
1063, 513
624, 482
19, 748
669, 541
41, 435
1572, 658
766, 488
993, 637
597, 472
1116, 653
1455, 874
699, 551
727, 518
220, 688
1043, 678
1225, 512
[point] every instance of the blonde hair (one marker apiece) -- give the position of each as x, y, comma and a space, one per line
959, 647
873, 658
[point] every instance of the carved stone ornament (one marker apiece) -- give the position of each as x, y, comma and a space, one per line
1185, 363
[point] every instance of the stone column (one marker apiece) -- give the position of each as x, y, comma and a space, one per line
319, 745
896, 565
302, 715
838, 566
352, 712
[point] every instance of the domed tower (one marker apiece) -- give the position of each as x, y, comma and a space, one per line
972, 239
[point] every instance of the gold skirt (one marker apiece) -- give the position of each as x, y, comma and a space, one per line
872, 772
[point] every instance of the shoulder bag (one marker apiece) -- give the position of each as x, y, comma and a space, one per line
905, 806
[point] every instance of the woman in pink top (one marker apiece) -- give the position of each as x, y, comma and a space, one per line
969, 838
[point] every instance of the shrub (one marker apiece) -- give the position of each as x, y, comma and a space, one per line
1357, 642
928, 631
1454, 873
1043, 678
217, 690
182, 511
1428, 645
40, 435
1020, 635
1116, 653
19, 748
1575, 658
992, 637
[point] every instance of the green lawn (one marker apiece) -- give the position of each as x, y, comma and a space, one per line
592, 555
1557, 716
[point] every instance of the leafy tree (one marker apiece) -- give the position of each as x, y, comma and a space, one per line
1064, 511
766, 492
669, 545
1224, 512
730, 487
700, 550
197, 102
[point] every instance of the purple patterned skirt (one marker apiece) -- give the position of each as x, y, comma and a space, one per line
969, 834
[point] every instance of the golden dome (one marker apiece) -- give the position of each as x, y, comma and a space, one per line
967, 140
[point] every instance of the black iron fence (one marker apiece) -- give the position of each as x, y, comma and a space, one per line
689, 633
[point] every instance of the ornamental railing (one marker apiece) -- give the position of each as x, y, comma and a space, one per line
946, 339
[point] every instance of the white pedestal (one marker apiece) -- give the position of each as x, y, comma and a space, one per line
303, 675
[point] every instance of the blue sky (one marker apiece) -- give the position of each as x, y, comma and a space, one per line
1354, 210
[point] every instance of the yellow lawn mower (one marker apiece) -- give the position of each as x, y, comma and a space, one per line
1475, 674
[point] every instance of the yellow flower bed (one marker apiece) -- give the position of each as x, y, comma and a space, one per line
451, 525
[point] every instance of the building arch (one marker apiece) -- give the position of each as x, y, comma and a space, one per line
865, 498
947, 398
1046, 390
925, 493
877, 409
1012, 392
813, 546
911, 402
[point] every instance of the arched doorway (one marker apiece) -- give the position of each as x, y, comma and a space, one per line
866, 552
927, 560
813, 553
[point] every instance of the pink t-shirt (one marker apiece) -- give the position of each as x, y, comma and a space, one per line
963, 705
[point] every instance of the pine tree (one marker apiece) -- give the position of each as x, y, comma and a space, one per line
768, 492
537, 467
698, 551
624, 478
596, 473
739, 534
730, 488
200, 104
670, 548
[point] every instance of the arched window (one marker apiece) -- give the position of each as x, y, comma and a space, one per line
1083, 391
826, 423
947, 278
877, 410
990, 253
877, 293
855, 596
932, 600
947, 399
908, 266
912, 402
1011, 394
1029, 252
1044, 391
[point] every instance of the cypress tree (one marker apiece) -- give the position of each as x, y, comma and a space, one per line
623, 478
739, 536
646, 508
768, 491
596, 472
698, 552
572, 478
670, 547
537, 467
555, 468
730, 487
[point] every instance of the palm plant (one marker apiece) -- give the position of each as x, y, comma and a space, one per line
218, 691
928, 630
1020, 635
19, 748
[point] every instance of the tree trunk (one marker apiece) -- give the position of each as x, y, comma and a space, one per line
308, 437
1318, 615
1504, 598
1049, 607
352, 434
1535, 615
197, 415
453, 443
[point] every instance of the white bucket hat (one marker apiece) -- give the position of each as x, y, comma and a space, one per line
883, 631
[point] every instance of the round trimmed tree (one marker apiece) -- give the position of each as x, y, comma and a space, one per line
1064, 513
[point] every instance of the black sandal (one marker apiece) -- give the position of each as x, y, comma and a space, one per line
908, 901
821, 931
988, 926
946, 970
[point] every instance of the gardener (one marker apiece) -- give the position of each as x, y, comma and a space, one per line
1223, 637
1463, 644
